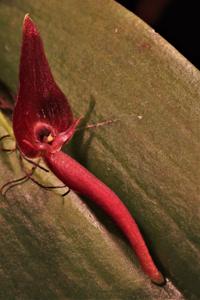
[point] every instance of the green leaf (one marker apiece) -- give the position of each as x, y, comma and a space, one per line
111, 66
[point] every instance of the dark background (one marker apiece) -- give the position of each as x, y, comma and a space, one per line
177, 21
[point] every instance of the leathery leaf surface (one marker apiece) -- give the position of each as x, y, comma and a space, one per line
112, 66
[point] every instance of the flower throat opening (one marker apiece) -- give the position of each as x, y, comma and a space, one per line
44, 133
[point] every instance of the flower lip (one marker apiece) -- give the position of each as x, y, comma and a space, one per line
47, 140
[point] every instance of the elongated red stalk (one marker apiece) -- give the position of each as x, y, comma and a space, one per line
43, 122
79, 179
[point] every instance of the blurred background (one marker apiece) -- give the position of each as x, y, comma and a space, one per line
177, 21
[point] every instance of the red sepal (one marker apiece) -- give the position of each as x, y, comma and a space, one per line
41, 107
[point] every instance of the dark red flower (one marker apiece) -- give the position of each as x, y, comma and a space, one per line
42, 119
43, 122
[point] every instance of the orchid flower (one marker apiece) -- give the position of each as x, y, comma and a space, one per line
43, 122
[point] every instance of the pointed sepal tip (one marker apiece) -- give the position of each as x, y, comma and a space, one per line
29, 27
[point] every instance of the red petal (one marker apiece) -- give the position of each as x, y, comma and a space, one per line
39, 99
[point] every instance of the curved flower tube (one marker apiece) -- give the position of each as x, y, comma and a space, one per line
43, 122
